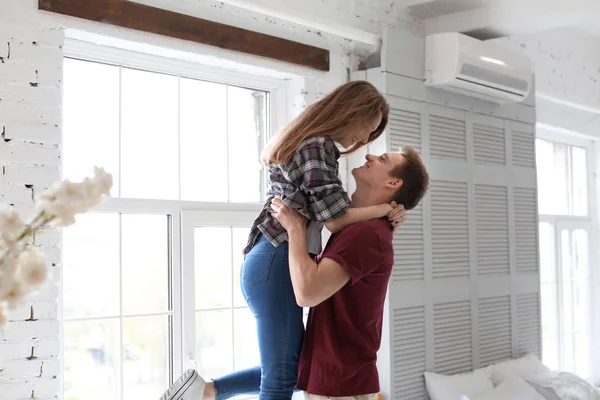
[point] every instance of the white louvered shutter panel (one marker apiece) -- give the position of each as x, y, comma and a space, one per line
408, 248
409, 353
489, 141
449, 229
528, 324
452, 337
405, 128
447, 135
495, 338
523, 144
526, 227
491, 206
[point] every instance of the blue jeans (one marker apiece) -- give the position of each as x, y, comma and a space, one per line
267, 288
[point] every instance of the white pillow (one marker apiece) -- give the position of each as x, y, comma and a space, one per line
563, 385
451, 387
523, 367
512, 388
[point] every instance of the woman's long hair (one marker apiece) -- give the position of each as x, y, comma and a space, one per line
357, 102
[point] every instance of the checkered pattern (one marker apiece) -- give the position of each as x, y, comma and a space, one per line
309, 183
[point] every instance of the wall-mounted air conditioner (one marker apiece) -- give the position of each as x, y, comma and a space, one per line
465, 65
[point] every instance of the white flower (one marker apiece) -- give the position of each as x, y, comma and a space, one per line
64, 201
103, 180
3, 318
15, 295
33, 270
8, 265
10, 223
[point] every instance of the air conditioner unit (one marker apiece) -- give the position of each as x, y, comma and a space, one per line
465, 65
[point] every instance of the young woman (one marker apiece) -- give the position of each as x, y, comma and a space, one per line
303, 171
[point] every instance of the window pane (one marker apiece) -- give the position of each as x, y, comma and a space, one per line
547, 253
90, 120
580, 177
92, 360
214, 350
582, 303
240, 239
550, 353
247, 117
91, 266
149, 135
246, 341
145, 250
552, 172
203, 119
212, 253
575, 301
146, 361
549, 310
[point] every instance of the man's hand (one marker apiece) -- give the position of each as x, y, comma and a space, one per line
289, 218
397, 216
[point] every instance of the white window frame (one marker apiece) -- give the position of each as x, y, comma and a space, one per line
182, 213
590, 223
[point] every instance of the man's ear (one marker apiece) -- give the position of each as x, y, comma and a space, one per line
394, 183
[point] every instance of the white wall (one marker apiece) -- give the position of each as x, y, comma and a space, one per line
567, 68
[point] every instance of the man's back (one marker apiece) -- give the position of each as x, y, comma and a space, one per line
343, 333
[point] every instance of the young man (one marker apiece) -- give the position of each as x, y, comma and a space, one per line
345, 287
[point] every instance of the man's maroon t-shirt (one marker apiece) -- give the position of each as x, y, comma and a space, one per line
343, 334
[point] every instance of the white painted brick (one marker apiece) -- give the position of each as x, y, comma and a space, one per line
39, 53
48, 293
31, 93
35, 368
41, 311
47, 238
17, 71
50, 75
18, 195
22, 349
40, 388
40, 133
39, 176
30, 329
27, 33
17, 112
52, 253
19, 152
54, 273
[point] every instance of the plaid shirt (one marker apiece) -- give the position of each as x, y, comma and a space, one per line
309, 183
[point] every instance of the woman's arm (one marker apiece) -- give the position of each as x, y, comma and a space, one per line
358, 214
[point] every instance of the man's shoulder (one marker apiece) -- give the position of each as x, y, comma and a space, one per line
371, 233
379, 228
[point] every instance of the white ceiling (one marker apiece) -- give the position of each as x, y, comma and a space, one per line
495, 18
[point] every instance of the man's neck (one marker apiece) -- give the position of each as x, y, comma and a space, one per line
362, 198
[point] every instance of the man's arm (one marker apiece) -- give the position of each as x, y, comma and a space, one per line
313, 283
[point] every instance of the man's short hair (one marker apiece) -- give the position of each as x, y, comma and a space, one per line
414, 176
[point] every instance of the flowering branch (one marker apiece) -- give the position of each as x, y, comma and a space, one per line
23, 269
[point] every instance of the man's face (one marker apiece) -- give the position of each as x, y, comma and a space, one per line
376, 172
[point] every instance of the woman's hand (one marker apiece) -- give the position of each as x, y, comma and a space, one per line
397, 216
289, 218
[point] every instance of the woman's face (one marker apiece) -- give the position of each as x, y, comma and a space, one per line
359, 132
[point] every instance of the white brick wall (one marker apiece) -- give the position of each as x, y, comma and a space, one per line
30, 116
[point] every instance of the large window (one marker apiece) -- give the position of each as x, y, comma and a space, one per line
151, 279
564, 194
